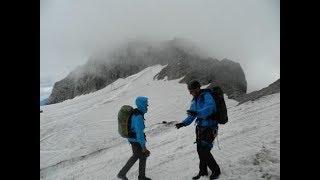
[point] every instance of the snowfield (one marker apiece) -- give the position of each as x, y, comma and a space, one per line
79, 138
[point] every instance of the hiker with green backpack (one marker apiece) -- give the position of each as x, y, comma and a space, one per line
131, 126
209, 110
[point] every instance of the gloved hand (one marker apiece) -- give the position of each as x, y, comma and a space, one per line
179, 125
146, 152
192, 113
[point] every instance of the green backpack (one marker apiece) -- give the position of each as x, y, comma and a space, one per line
124, 121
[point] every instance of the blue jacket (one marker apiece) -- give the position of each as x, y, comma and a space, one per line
137, 121
205, 105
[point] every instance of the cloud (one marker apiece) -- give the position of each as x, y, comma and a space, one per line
45, 91
246, 31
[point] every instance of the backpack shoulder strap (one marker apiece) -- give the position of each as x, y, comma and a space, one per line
206, 90
137, 112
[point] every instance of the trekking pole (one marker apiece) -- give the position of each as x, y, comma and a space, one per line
218, 143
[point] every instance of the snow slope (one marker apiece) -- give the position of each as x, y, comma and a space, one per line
79, 138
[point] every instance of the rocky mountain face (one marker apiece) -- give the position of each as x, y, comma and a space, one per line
225, 73
181, 60
271, 89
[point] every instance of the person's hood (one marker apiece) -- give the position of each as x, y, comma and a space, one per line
141, 103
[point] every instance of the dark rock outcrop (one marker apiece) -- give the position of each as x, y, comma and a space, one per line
182, 60
226, 74
271, 89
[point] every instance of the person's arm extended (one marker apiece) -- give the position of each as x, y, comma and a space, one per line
190, 118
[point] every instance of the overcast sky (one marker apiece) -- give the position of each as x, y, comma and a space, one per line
244, 31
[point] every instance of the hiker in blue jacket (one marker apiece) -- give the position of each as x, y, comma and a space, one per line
138, 143
202, 106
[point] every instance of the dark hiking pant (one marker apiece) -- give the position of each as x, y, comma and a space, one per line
205, 137
137, 154
207, 160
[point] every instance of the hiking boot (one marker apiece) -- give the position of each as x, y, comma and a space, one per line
144, 178
123, 177
199, 175
214, 176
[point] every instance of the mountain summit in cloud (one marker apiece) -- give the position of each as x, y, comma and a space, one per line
181, 57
